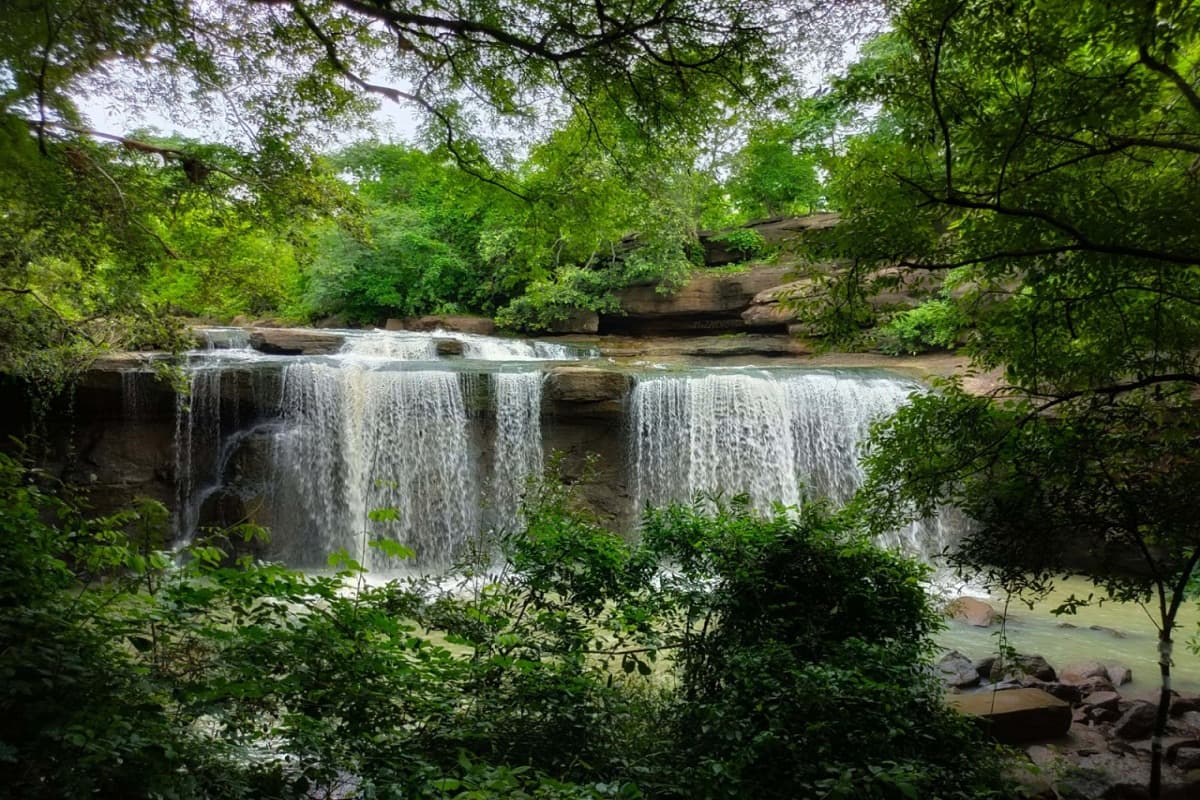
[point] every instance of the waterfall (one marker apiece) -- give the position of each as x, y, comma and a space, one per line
225, 338
712, 433
133, 399
398, 346
357, 441
443, 449
488, 348
421, 346
197, 441
774, 437
517, 455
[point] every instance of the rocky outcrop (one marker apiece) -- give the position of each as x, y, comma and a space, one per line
586, 384
1016, 715
709, 302
1103, 747
888, 289
295, 341
775, 232
462, 323
579, 320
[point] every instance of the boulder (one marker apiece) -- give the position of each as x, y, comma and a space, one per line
449, 347
1021, 665
585, 384
984, 665
1109, 700
1119, 674
1063, 691
1137, 722
972, 611
1184, 703
1187, 758
956, 671
463, 323
295, 341
1016, 715
1083, 671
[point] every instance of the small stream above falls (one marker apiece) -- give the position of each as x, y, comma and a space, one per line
448, 428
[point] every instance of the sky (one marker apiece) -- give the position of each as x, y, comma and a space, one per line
391, 122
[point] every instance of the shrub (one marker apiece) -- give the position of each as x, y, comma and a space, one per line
799, 670
805, 639
744, 243
935, 324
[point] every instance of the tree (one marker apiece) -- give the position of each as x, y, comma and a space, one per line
1042, 155
777, 171
284, 75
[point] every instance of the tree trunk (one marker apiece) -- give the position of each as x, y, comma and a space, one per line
1165, 645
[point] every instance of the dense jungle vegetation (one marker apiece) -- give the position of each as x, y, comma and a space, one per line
1041, 157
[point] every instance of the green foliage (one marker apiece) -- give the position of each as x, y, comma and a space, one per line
745, 243
777, 171
799, 638
537, 675
933, 325
1045, 153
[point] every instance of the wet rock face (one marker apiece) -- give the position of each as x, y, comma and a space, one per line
586, 384
295, 341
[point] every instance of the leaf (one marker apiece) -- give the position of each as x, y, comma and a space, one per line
383, 515
393, 549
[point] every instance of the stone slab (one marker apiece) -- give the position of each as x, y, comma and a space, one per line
1016, 715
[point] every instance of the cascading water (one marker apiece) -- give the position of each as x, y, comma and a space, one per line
487, 348
517, 455
357, 441
225, 338
133, 399
712, 433
777, 438
387, 425
391, 346
381, 426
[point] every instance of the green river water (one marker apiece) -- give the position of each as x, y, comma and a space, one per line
1126, 636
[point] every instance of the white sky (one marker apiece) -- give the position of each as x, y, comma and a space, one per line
391, 122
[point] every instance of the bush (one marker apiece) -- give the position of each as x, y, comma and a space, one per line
534, 675
803, 640
933, 325
744, 243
